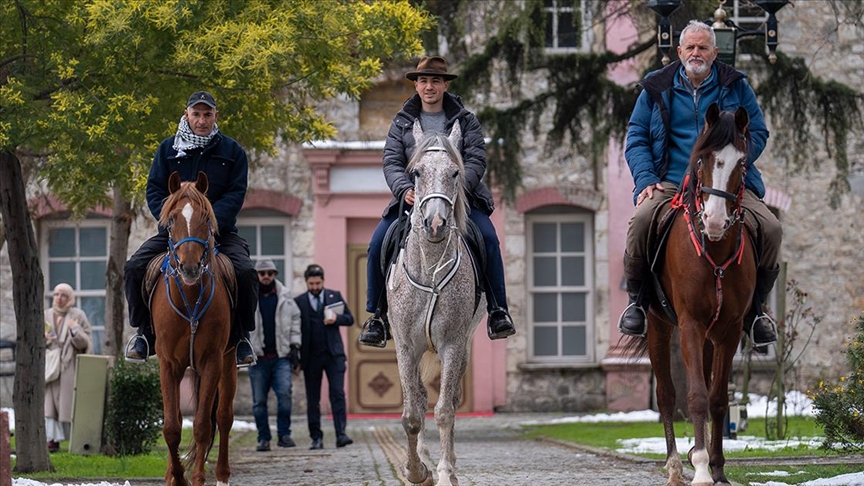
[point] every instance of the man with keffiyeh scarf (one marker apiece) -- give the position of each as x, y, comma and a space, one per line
198, 146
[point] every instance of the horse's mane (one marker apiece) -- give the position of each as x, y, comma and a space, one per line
722, 133
460, 209
187, 191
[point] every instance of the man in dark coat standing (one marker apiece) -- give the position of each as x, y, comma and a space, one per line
322, 313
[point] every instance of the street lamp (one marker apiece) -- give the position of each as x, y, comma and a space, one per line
725, 30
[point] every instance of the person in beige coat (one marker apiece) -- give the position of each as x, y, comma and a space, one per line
67, 329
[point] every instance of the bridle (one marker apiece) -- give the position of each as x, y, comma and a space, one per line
697, 236
451, 264
191, 314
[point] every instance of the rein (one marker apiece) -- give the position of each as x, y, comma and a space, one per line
697, 235
452, 263
193, 315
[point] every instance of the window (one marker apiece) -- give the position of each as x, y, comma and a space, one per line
77, 254
268, 237
560, 288
746, 14
566, 22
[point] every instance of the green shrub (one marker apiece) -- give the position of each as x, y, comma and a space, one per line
840, 406
134, 415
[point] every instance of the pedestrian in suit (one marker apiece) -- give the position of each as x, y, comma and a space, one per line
323, 311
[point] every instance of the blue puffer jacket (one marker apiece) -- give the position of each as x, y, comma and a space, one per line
223, 160
646, 151
400, 146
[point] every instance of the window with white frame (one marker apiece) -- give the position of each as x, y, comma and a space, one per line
77, 254
560, 287
746, 14
567, 26
268, 237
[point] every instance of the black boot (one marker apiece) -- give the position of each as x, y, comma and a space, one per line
499, 325
141, 345
245, 355
758, 325
634, 319
376, 331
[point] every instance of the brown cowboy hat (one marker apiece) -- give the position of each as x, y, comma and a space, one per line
431, 66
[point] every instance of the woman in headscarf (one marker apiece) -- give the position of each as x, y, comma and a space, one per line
66, 328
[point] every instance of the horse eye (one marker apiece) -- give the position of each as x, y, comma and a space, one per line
415, 173
455, 174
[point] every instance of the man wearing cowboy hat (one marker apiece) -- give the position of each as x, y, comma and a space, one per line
437, 111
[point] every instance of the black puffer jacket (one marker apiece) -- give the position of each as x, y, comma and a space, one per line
400, 146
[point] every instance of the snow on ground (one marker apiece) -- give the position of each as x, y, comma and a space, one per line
796, 404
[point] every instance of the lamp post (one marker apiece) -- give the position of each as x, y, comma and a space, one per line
726, 31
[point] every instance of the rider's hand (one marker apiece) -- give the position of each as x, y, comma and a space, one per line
409, 197
648, 192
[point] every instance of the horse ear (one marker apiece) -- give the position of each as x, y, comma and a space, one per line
202, 183
456, 135
712, 115
174, 182
742, 119
417, 131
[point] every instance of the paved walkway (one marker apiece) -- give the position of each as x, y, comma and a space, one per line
489, 450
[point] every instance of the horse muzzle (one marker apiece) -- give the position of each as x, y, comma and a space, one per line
190, 273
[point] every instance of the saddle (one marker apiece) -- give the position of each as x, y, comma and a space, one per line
222, 264
658, 237
397, 234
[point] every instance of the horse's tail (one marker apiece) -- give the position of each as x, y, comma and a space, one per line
429, 365
191, 452
636, 347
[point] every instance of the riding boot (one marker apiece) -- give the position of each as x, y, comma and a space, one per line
245, 355
634, 320
758, 325
499, 325
142, 345
376, 331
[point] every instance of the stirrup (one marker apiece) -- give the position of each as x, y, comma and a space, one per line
770, 322
376, 344
237, 357
130, 344
621, 328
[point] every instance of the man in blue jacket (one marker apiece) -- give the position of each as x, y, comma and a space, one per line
437, 110
668, 117
198, 146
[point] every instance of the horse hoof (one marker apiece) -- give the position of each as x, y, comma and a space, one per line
425, 480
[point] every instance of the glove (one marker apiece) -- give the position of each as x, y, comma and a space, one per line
294, 357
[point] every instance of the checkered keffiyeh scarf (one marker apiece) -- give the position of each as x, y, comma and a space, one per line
187, 140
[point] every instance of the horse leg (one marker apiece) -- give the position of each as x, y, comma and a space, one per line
413, 412
659, 341
453, 365
172, 423
721, 369
225, 416
692, 338
202, 428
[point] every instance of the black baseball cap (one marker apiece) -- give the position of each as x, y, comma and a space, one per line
201, 97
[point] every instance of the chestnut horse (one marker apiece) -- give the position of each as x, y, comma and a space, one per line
191, 308
708, 275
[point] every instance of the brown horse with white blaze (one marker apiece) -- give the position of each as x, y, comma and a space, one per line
191, 308
708, 275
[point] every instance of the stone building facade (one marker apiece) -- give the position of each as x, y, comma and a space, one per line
325, 198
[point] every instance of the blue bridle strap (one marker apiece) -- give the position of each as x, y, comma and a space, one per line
193, 315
